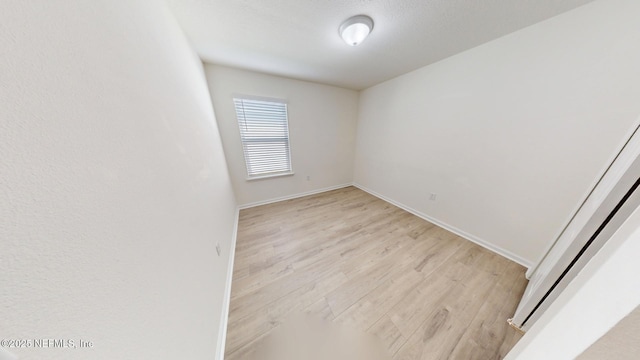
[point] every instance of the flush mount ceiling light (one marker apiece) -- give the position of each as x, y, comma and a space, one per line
355, 29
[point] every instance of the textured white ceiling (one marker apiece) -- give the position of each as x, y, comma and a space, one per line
299, 38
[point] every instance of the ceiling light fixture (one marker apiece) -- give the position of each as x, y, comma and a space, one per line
355, 29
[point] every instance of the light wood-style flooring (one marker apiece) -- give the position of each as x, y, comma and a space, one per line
354, 259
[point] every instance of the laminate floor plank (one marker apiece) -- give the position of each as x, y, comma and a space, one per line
348, 257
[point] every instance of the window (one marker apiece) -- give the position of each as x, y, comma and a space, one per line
264, 132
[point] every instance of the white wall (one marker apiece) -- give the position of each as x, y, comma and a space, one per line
113, 188
322, 125
510, 135
602, 294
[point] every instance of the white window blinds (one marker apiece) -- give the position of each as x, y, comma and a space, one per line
264, 132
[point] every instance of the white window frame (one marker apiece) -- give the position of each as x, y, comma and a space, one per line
257, 162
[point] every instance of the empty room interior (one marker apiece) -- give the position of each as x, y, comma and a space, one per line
282, 179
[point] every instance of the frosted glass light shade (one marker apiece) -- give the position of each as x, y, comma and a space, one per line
355, 29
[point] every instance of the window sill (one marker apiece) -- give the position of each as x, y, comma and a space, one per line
260, 177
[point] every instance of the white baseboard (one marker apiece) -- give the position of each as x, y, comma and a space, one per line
224, 318
529, 272
294, 196
485, 244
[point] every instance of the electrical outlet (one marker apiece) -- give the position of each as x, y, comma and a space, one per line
308, 178
218, 249
433, 196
